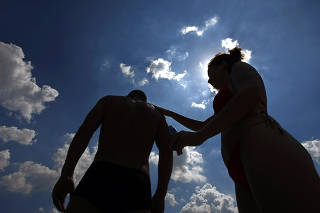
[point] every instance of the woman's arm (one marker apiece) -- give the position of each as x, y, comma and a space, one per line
192, 124
247, 86
236, 109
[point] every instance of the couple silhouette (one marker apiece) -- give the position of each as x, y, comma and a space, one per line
271, 170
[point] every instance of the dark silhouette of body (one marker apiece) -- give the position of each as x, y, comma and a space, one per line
129, 127
272, 171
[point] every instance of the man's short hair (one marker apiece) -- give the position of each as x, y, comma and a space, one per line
138, 95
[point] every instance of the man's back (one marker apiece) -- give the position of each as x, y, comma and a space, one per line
128, 130
118, 179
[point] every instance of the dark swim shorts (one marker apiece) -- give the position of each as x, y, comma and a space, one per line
114, 188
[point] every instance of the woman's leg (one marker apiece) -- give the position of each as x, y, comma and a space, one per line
245, 200
280, 171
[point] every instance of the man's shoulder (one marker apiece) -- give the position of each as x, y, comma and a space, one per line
112, 98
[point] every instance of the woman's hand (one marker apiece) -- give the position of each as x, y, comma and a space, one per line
184, 138
63, 186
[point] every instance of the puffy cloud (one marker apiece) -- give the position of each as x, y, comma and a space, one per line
202, 105
31, 176
18, 89
4, 159
188, 29
209, 200
229, 44
171, 199
143, 82
180, 75
84, 162
22, 136
200, 30
247, 55
53, 210
126, 70
154, 158
161, 68
173, 53
212, 89
313, 148
186, 167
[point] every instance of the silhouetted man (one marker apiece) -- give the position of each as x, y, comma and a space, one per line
118, 179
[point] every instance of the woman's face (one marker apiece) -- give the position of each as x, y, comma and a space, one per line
218, 75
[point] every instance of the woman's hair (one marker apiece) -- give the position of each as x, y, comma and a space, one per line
234, 55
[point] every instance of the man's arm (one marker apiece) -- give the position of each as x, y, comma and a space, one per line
82, 137
165, 159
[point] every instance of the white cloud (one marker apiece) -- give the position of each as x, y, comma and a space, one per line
247, 55
229, 44
22, 136
183, 57
188, 29
84, 162
4, 159
126, 70
143, 82
171, 199
209, 200
153, 158
31, 176
18, 89
186, 167
161, 68
53, 210
199, 31
212, 89
313, 148
211, 22
180, 76
202, 105
173, 53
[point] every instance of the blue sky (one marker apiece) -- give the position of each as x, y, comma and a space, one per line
57, 58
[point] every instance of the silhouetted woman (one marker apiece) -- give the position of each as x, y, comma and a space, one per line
271, 170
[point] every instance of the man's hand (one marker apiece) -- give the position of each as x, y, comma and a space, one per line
157, 204
63, 186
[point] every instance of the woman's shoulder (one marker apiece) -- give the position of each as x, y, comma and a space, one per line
243, 75
242, 67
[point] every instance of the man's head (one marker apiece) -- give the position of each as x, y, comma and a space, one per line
138, 95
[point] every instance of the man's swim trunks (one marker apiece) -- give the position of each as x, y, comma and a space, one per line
115, 188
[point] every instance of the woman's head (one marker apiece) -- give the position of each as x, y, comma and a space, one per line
220, 65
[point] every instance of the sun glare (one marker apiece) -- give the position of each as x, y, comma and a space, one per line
204, 68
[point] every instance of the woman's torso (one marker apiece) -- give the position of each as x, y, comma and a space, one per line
233, 135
